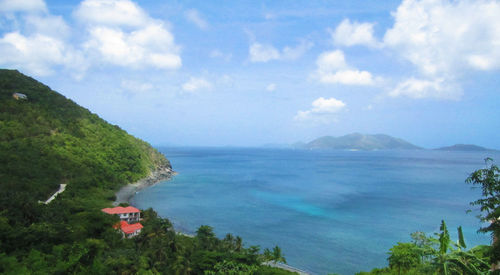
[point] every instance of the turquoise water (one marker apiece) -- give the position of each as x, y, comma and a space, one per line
330, 211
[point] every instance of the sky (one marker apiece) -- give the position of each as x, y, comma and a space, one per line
249, 73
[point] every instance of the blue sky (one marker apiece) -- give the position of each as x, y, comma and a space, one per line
247, 73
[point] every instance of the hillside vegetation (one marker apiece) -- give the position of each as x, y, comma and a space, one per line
47, 140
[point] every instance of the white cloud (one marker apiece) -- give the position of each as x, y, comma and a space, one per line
264, 52
38, 43
444, 38
348, 77
332, 68
194, 17
121, 33
38, 54
136, 86
422, 88
350, 34
331, 61
330, 105
22, 6
323, 111
195, 84
111, 13
118, 32
150, 46
54, 26
271, 87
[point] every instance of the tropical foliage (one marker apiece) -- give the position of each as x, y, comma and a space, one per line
47, 140
438, 254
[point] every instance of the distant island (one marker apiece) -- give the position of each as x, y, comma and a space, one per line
464, 147
366, 142
357, 141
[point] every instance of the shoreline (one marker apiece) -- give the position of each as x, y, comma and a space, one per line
164, 173
125, 193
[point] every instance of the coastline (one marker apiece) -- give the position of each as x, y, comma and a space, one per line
162, 173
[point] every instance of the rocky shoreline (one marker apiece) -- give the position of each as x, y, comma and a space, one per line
162, 173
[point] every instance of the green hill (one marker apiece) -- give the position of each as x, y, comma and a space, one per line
358, 141
47, 140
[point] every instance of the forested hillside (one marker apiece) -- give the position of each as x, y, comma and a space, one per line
47, 140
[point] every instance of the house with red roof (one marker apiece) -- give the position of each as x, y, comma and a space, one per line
129, 230
128, 214
129, 220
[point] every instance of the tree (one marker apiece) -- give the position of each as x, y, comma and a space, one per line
278, 256
404, 256
426, 244
206, 237
488, 179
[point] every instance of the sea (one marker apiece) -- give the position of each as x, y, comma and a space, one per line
330, 211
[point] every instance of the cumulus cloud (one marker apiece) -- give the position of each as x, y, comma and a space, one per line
194, 17
111, 13
441, 37
118, 32
443, 40
150, 46
195, 84
264, 52
22, 6
323, 111
38, 54
121, 33
350, 34
332, 68
38, 43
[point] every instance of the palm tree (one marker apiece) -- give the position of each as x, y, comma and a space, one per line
278, 256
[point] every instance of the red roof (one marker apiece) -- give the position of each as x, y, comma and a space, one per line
121, 210
129, 228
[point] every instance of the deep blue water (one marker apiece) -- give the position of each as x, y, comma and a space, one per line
330, 211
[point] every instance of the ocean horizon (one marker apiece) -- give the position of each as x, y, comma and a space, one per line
330, 211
